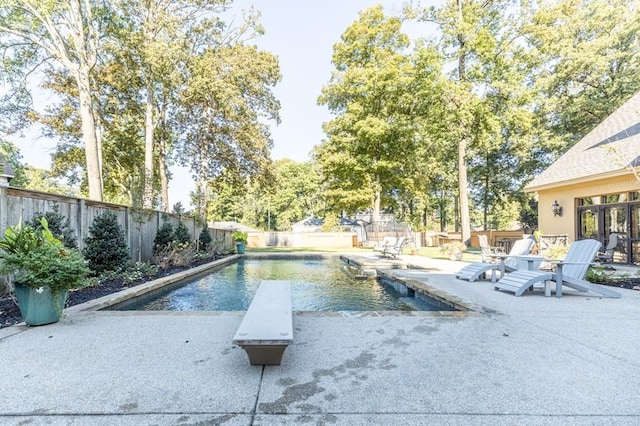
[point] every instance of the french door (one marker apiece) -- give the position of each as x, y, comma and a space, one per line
600, 221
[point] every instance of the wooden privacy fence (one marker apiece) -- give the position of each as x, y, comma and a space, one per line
140, 226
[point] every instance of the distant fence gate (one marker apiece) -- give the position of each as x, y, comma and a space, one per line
139, 226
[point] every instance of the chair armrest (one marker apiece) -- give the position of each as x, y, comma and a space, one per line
499, 255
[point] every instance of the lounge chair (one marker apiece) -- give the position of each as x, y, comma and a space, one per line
487, 250
502, 262
569, 272
607, 254
386, 242
395, 249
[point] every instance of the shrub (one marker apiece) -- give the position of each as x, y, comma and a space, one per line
163, 237
174, 254
205, 239
59, 226
105, 247
181, 234
138, 272
601, 275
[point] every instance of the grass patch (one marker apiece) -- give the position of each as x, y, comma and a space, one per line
471, 255
305, 249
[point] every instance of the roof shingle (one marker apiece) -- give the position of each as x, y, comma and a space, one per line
611, 147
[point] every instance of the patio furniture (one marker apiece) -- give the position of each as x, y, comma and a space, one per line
501, 262
487, 250
267, 328
386, 243
569, 272
395, 249
607, 254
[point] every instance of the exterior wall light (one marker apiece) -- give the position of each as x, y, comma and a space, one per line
556, 208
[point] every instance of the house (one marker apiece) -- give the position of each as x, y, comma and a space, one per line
6, 171
593, 189
231, 226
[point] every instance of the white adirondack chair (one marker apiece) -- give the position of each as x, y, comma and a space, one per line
501, 261
570, 272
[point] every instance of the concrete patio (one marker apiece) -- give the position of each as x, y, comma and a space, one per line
530, 360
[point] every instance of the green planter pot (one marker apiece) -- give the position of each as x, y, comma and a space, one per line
240, 247
39, 306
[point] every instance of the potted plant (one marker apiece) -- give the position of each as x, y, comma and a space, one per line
454, 249
240, 238
42, 270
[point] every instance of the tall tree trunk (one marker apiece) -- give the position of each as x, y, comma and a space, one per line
162, 170
202, 199
485, 202
375, 214
147, 196
202, 189
465, 221
89, 135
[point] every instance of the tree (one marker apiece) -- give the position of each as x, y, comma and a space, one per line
296, 194
369, 140
488, 99
156, 39
36, 32
228, 98
589, 56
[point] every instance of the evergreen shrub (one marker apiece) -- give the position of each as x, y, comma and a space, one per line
163, 238
181, 234
59, 226
106, 248
205, 239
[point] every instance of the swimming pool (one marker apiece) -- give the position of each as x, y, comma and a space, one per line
317, 284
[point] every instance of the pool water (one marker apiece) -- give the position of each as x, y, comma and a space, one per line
316, 285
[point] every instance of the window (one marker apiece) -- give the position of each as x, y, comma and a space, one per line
615, 198
590, 201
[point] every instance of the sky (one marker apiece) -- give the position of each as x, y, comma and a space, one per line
301, 34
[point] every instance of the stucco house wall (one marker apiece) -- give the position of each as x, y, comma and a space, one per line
605, 162
566, 197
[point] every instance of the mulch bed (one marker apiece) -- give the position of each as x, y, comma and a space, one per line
10, 313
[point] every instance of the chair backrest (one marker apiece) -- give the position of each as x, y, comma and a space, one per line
582, 253
389, 241
484, 244
613, 242
400, 242
611, 246
520, 248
